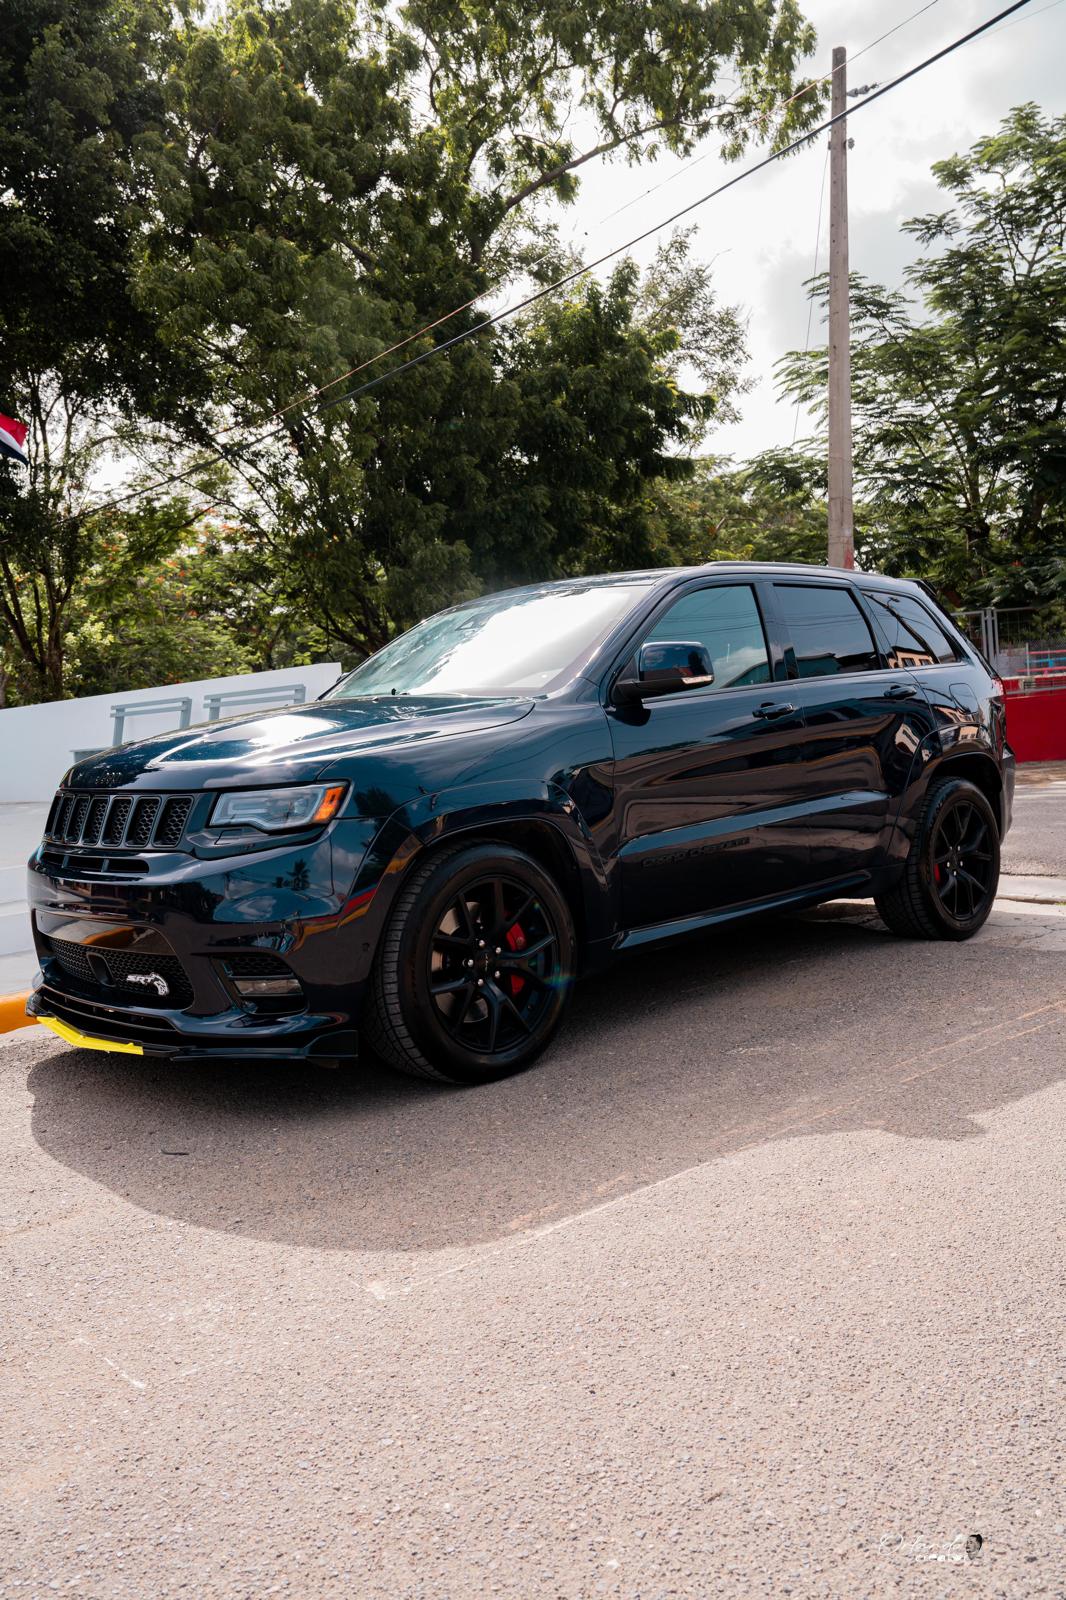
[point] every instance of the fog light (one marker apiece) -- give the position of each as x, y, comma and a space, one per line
266, 988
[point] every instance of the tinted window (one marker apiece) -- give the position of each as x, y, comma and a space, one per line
725, 619
912, 636
826, 628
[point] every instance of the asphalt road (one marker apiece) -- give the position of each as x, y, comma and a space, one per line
753, 1287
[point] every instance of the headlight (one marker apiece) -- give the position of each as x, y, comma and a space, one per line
278, 810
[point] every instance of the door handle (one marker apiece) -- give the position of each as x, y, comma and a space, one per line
770, 711
901, 691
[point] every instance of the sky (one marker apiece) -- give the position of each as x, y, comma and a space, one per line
762, 234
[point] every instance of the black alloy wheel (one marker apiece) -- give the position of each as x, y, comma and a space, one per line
949, 883
494, 964
475, 966
963, 863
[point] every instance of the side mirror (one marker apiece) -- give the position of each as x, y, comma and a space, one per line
664, 666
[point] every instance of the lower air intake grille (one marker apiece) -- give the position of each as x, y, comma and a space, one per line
256, 964
109, 971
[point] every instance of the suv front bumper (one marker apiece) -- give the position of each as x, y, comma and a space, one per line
106, 947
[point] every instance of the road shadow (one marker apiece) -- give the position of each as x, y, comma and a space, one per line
790, 1027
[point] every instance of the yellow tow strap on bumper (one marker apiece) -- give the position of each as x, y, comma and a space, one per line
85, 1041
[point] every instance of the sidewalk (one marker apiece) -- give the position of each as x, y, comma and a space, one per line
1036, 772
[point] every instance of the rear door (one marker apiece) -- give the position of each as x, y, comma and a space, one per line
912, 638
863, 722
706, 779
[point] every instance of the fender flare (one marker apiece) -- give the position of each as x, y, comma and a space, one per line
932, 758
492, 810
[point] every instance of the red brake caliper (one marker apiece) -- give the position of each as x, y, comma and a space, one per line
516, 940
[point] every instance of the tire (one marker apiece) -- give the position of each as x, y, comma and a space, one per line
471, 981
948, 885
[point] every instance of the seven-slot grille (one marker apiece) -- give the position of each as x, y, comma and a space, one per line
139, 822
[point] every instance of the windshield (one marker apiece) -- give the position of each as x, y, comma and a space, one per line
519, 643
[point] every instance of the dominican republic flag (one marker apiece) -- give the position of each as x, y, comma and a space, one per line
13, 440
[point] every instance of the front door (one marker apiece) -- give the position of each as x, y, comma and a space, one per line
706, 780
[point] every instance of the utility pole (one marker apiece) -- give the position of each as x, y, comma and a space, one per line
841, 523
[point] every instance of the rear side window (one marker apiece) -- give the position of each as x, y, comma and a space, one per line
725, 619
826, 629
913, 637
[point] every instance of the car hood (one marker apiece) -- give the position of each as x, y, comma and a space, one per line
291, 745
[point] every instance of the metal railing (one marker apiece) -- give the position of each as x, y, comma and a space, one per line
284, 694
1018, 641
182, 704
292, 694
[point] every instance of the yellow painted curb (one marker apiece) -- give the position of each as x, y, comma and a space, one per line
13, 1013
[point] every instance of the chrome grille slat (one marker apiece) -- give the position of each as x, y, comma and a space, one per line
94, 822
79, 817
117, 817
142, 821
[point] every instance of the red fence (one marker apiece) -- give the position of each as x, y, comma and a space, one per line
1036, 716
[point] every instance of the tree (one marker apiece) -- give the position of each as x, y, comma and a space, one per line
308, 222
589, 409
79, 89
771, 508
960, 416
207, 215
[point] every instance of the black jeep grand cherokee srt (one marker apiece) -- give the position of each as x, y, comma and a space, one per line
508, 794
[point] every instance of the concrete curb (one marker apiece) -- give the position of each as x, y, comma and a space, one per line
1042, 891
13, 1013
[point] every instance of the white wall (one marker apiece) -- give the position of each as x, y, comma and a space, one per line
37, 743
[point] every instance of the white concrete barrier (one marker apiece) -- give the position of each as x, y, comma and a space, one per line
39, 743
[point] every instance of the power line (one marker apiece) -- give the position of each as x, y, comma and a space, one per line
578, 272
816, 84
429, 327
1031, 16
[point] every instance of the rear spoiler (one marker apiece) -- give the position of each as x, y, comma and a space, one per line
931, 592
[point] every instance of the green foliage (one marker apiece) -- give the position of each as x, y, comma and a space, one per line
771, 508
79, 88
197, 604
309, 220
208, 213
960, 418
